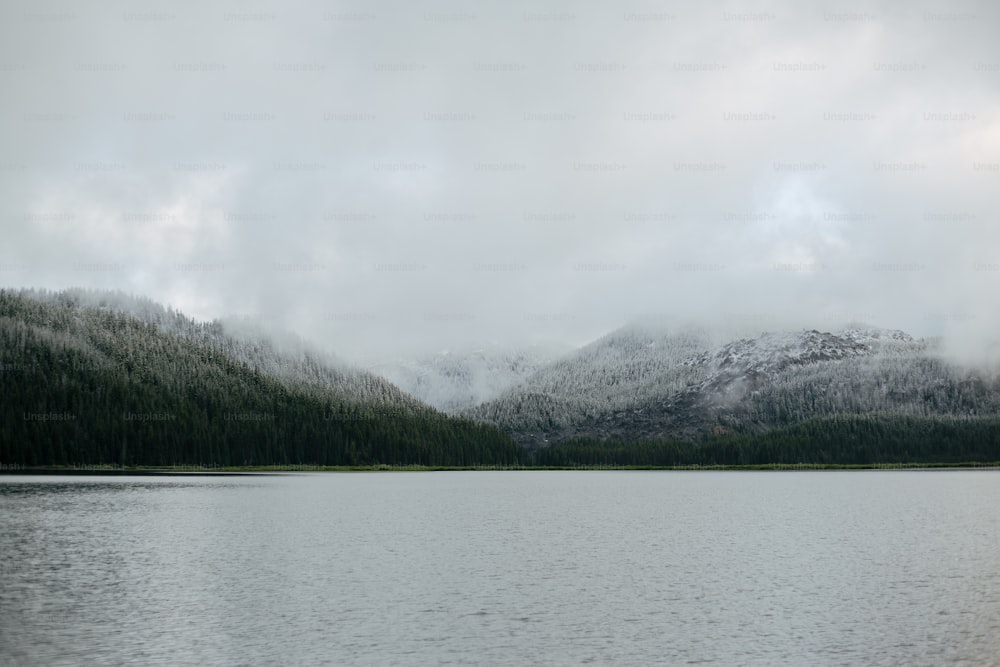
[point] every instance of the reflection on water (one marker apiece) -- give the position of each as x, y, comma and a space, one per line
505, 568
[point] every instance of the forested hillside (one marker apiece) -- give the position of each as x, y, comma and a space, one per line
83, 385
280, 354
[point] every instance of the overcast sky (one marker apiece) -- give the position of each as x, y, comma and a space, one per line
392, 176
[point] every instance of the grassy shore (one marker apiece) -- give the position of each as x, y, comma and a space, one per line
287, 469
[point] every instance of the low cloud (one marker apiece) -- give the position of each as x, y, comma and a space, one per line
410, 178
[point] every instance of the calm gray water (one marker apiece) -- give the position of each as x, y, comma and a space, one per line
504, 568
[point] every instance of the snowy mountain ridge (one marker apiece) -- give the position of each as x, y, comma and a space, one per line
636, 383
772, 352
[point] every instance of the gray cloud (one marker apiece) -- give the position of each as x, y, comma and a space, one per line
393, 176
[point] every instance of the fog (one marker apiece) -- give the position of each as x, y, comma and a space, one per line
395, 177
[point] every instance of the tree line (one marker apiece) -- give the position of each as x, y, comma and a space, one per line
841, 440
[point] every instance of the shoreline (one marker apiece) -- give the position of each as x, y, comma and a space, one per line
245, 471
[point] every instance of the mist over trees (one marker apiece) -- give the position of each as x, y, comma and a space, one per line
454, 381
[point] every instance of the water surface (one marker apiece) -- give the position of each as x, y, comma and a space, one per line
502, 568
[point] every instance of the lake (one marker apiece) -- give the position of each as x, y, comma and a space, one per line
502, 568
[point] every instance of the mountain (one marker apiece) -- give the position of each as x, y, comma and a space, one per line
626, 366
644, 384
454, 381
86, 383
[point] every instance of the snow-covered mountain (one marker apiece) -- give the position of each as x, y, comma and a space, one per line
454, 381
643, 383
